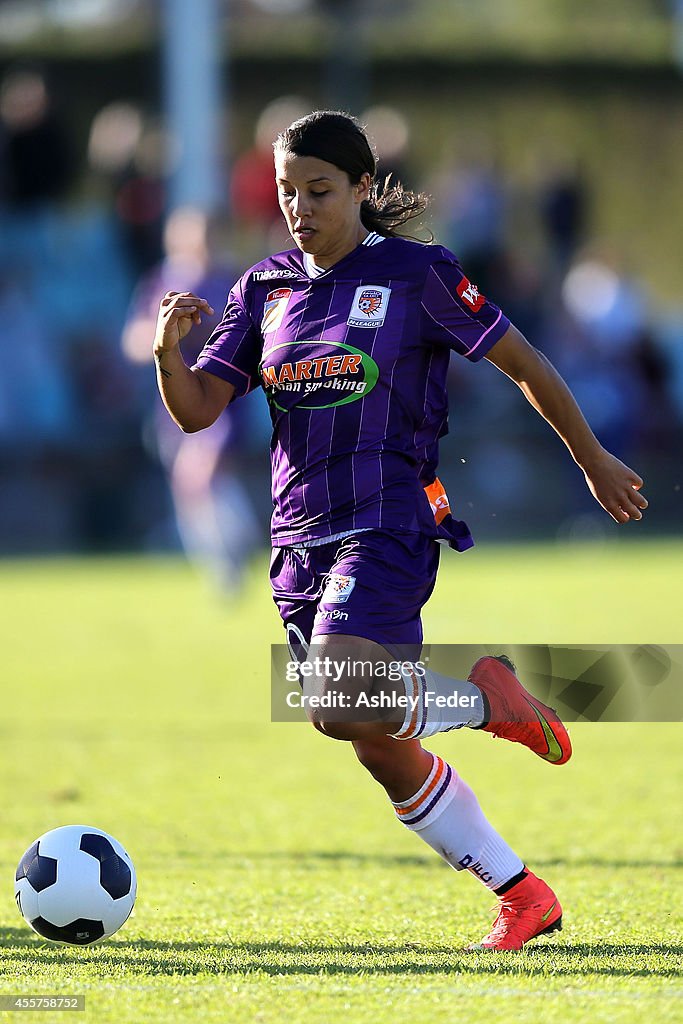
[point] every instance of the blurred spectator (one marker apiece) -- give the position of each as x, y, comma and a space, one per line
603, 318
253, 196
141, 198
133, 156
36, 159
658, 416
115, 135
214, 514
517, 286
601, 340
473, 212
563, 207
389, 133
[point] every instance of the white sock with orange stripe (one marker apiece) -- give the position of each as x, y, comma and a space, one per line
446, 814
437, 703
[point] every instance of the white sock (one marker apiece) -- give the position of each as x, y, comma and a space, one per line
438, 704
446, 814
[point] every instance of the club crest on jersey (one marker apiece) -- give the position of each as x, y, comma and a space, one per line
338, 588
470, 295
369, 307
274, 309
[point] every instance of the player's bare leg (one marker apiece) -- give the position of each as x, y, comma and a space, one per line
400, 770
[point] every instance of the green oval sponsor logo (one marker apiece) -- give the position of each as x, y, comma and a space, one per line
323, 375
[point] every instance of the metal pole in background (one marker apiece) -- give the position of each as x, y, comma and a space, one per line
677, 16
346, 82
193, 98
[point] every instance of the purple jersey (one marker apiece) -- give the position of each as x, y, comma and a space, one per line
354, 362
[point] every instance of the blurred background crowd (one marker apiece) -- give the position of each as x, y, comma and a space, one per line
549, 136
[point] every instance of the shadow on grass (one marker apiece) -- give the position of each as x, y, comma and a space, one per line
308, 857
312, 958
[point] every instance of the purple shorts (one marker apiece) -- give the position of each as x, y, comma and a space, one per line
372, 584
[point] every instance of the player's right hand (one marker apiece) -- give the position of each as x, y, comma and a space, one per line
178, 312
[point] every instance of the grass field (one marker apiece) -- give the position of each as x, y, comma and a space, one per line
274, 882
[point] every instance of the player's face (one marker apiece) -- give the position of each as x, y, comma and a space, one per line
321, 206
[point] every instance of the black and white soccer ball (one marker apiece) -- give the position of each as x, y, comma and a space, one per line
75, 884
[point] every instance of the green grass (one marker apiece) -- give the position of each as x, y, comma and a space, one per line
274, 882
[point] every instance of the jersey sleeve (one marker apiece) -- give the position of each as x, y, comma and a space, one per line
233, 351
456, 314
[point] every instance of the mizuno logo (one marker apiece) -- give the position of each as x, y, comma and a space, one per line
554, 748
470, 864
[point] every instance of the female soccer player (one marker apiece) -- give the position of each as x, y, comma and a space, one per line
349, 334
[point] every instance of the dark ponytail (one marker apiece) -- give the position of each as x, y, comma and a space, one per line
390, 206
338, 139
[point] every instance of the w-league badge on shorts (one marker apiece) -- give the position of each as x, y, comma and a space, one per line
338, 588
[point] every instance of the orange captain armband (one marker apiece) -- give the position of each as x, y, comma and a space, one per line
438, 499
450, 531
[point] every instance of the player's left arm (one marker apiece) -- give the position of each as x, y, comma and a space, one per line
613, 484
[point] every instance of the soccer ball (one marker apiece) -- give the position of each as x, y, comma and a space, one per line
75, 884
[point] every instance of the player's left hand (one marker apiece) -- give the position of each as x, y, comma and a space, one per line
616, 487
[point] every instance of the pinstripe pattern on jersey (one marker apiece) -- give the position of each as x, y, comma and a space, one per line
357, 458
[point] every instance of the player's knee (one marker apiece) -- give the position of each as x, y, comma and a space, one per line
381, 757
337, 730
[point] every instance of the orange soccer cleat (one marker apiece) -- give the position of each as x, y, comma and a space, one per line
513, 714
529, 909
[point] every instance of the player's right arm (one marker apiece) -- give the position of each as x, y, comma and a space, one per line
194, 398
